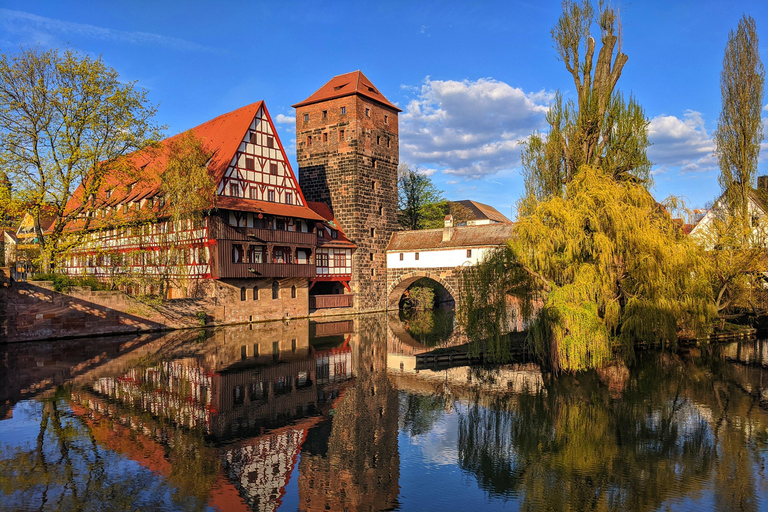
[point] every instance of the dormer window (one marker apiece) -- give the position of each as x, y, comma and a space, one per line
334, 234
109, 193
321, 233
130, 186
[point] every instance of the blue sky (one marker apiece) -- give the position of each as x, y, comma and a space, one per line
472, 78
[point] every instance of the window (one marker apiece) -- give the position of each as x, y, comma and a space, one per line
321, 233
374, 185
293, 296
253, 138
339, 260
343, 110
388, 142
401, 256
271, 195
373, 232
375, 163
341, 135
253, 192
275, 290
367, 112
417, 257
234, 190
381, 210
386, 118
306, 117
288, 198
249, 164
378, 140
373, 271
242, 293
322, 259
238, 395
293, 342
255, 354
325, 114
334, 234
243, 352
325, 136
469, 253
273, 169
309, 140
371, 256
109, 193
270, 142
237, 254
255, 297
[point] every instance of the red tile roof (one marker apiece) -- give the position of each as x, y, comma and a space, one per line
485, 235
254, 205
324, 211
347, 85
221, 137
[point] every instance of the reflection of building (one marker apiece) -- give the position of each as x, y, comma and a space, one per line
352, 463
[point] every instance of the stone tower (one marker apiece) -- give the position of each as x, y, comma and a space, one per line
348, 152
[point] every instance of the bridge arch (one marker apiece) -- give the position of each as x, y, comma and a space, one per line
396, 289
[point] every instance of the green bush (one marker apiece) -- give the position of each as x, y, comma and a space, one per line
62, 283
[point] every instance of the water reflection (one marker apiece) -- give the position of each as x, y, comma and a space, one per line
336, 416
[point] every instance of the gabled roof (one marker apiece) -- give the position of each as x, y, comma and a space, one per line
486, 235
324, 211
347, 85
483, 211
221, 137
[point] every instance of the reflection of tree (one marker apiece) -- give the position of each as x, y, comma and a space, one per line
77, 463
428, 327
419, 413
572, 447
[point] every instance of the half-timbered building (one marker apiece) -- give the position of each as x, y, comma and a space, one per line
253, 251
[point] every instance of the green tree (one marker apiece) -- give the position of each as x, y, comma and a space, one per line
600, 128
65, 120
419, 201
740, 127
610, 265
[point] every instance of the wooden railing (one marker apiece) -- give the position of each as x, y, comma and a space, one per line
221, 230
243, 270
330, 328
330, 301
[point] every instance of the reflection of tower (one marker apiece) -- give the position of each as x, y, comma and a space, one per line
352, 462
347, 151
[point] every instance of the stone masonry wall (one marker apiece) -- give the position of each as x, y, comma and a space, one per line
357, 176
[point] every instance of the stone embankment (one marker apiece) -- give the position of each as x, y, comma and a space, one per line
34, 311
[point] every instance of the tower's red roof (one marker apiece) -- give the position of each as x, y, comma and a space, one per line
347, 85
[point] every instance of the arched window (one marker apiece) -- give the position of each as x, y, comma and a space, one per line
293, 292
242, 293
275, 290
255, 293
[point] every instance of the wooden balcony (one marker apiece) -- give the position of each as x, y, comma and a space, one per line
245, 270
320, 329
219, 230
330, 301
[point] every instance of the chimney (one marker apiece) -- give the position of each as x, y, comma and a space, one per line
762, 183
448, 227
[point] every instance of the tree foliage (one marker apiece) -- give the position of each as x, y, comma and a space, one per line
65, 120
418, 199
608, 261
186, 183
740, 127
600, 128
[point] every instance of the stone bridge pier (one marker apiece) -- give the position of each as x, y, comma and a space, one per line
399, 279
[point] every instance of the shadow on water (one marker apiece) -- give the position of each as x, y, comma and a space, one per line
329, 416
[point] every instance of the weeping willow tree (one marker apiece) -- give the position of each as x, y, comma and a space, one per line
610, 265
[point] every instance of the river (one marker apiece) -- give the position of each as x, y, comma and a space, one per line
339, 416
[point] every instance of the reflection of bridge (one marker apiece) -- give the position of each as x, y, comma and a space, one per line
439, 254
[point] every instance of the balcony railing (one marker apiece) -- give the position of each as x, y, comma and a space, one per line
221, 230
228, 269
330, 301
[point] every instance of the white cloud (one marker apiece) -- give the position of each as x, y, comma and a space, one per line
283, 119
681, 143
469, 128
42, 27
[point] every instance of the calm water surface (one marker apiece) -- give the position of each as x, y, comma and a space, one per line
337, 416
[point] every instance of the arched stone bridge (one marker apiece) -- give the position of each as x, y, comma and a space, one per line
439, 255
399, 279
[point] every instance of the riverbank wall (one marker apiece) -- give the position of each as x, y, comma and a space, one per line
34, 311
